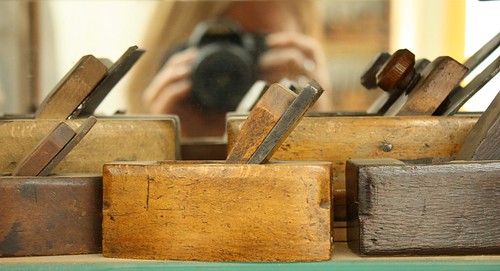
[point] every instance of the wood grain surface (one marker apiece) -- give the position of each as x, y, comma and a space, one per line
56, 215
40, 156
115, 73
217, 212
80, 133
460, 95
288, 121
111, 139
337, 139
424, 209
483, 142
437, 81
72, 90
261, 120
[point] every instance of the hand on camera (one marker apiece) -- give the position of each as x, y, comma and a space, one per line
170, 93
289, 55
297, 57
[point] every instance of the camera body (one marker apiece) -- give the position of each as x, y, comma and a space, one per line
227, 63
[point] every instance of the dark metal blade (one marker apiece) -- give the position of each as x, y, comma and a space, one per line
461, 95
448, 107
479, 56
115, 74
285, 125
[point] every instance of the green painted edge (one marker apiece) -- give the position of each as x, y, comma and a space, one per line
330, 265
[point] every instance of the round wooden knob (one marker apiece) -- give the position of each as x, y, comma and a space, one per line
369, 76
395, 70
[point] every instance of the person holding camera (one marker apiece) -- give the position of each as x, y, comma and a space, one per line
262, 40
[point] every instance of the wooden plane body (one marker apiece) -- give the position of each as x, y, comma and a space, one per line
52, 215
214, 211
450, 208
339, 138
111, 139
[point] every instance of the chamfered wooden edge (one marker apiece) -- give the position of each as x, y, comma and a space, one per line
72, 90
45, 151
460, 95
115, 73
288, 121
260, 122
80, 133
351, 177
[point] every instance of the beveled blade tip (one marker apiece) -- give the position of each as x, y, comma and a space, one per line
313, 84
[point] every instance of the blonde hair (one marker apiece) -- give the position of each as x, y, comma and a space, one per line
172, 22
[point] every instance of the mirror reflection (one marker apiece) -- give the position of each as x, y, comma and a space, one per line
181, 73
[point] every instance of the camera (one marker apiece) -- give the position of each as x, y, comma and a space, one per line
227, 63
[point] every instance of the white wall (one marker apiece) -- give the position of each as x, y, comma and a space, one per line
418, 26
101, 28
482, 24
108, 28
14, 58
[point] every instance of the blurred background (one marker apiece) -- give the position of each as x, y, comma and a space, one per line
41, 40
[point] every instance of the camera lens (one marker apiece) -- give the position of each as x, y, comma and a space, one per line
222, 74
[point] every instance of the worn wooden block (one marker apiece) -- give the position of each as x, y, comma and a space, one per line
460, 95
397, 209
212, 211
41, 155
53, 215
437, 81
288, 121
261, 120
72, 90
111, 139
483, 142
337, 139
115, 73
80, 133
